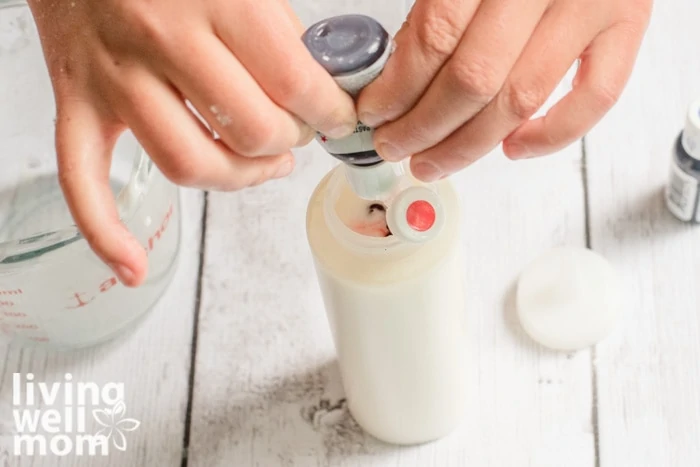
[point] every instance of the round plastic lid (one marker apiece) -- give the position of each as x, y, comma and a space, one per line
569, 299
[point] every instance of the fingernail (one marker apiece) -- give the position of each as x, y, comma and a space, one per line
518, 151
371, 120
390, 152
427, 171
341, 131
125, 275
283, 170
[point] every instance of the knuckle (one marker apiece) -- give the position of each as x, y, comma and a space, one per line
66, 171
605, 95
96, 240
416, 134
93, 239
292, 87
142, 21
182, 171
438, 34
476, 78
524, 99
255, 139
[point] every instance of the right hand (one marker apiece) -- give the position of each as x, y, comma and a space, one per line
118, 64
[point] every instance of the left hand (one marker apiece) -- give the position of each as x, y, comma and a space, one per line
467, 75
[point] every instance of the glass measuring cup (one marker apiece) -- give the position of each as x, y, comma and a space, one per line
53, 289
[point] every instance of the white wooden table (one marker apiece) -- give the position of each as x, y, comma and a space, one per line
235, 367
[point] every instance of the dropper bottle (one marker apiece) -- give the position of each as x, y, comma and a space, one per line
354, 49
683, 189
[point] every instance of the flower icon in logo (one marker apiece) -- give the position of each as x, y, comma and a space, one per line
114, 424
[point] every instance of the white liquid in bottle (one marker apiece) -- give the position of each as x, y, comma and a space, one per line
394, 300
397, 315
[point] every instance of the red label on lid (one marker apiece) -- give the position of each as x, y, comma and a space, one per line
420, 215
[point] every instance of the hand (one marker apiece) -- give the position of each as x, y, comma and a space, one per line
133, 63
467, 75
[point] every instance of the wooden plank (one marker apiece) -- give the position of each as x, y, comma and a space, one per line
648, 373
153, 363
267, 391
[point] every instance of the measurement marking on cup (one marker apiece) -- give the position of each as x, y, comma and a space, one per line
14, 314
81, 303
82, 299
161, 230
6, 304
11, 292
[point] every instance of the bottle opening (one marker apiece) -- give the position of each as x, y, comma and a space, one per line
363, 217
405, 216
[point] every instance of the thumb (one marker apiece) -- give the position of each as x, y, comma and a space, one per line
84, 145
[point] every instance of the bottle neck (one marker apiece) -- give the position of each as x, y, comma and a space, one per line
690, 146
375, 182
353, 241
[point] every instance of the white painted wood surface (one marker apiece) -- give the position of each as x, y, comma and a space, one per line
266, 391
153, 362
266, 379
648, 376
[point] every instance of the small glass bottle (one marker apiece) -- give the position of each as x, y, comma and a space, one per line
683, 190
389, 263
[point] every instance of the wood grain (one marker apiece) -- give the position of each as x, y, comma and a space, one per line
153, 362
648, 373
267, 391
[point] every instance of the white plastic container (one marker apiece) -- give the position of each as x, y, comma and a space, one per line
397, 314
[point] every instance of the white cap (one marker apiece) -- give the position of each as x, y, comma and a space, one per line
416, 215
691, 133
374, 182
569, 299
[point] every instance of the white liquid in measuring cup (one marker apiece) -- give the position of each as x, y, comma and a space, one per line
62, 295
397, 316
53, 289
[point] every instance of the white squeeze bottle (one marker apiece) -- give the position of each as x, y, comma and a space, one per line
389, 263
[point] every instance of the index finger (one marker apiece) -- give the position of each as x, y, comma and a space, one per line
84, 155
267, 41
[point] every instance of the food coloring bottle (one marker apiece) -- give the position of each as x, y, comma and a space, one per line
683, 189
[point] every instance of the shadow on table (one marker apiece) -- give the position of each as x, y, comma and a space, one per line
635, 224
298, 418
